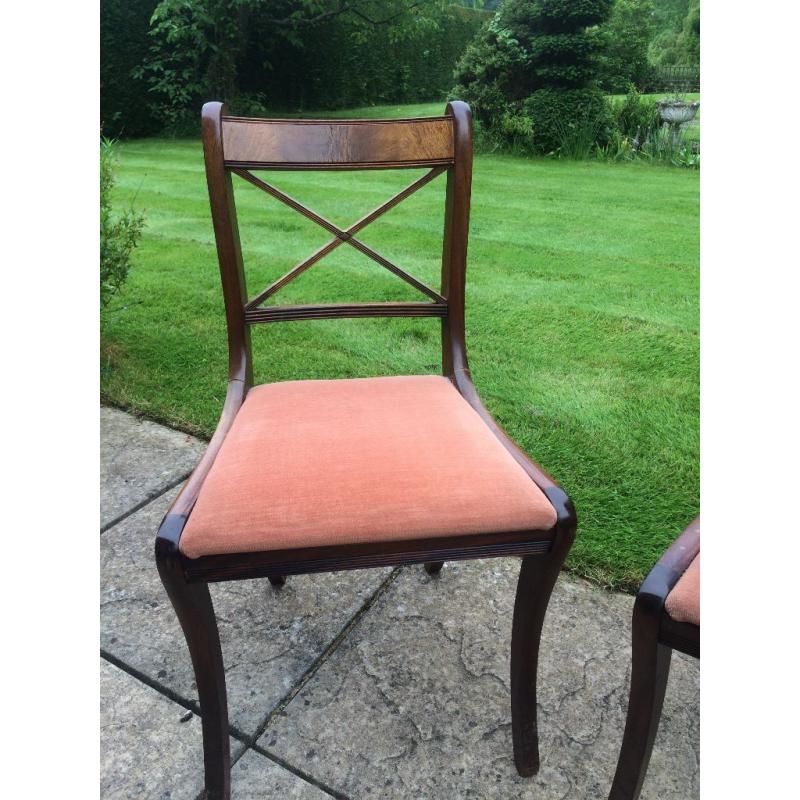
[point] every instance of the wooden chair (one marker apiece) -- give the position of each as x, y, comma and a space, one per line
312, 476
666, 617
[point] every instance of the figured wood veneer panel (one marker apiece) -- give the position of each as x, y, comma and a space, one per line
326, 144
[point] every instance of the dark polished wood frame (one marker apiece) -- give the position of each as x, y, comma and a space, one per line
654, 636
235, 145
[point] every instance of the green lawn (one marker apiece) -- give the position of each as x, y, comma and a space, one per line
433, 109
582, 317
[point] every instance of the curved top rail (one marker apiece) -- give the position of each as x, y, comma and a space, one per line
337, 144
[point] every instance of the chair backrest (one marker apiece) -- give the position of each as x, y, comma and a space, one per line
238, 145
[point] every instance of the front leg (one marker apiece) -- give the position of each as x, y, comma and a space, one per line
195, 611
537, 577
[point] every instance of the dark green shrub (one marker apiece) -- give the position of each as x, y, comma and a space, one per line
636, 116
538, 59
566, 119
119, 233
493, 72
124, 44
627, 35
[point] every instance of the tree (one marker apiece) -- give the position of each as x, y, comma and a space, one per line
124, 44
627, 34
679, 44
541, 58
200, 46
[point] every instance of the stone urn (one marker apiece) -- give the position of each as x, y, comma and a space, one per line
676, 113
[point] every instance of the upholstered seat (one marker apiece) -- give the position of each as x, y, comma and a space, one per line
683, 602
314, 463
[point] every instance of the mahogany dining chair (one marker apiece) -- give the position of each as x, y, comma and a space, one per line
321, 475
666, 617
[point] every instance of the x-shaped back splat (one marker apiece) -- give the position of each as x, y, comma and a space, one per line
253, 314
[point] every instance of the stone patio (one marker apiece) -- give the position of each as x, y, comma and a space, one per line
370, 684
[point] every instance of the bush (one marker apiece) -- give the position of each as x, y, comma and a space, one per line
627, 35
563, 120
537, 60
493, 72
636, 116
662, 146
118, 235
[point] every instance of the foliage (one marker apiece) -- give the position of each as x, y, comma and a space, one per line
118, 234
627, 35
536, 57
582, 305
679, 43
124, 44
565, 119
669, 13
289, 54
618, 148
636, 116
662, 146
641, 136
344, 63
194, 52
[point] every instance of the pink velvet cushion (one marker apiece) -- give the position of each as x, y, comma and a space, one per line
312, 463
683, 602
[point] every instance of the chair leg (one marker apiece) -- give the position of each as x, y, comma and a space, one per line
537, 577
649, 674
277, 580
192, 604
434, 567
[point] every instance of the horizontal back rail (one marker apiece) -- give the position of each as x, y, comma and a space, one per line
337, 144
343, 310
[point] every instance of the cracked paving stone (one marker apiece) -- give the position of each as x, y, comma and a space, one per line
255, 776
269, 637
146, 751
138, 459
151, 748
415, 703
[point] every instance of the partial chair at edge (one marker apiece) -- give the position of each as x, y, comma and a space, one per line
666, 617
312, 476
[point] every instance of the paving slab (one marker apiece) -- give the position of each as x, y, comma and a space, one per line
138, 460
255, 776
270, 637
415, 702
150, 747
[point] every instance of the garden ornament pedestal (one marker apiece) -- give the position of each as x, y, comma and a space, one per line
676, 113
319, 476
